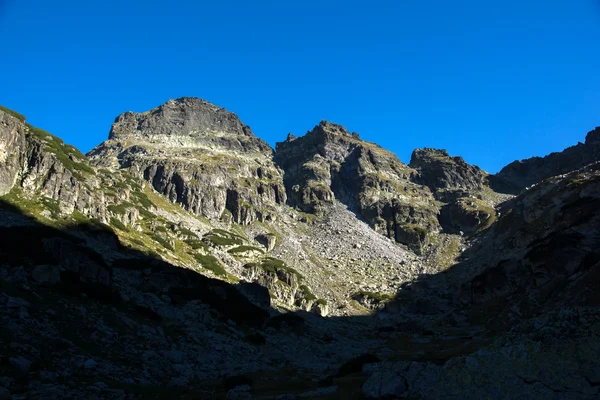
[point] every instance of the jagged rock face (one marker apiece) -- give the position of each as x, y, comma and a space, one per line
12, 139
458, 184
37, 162
466, 214
189, 119
447, 177
517, 175
331, 163
198, 155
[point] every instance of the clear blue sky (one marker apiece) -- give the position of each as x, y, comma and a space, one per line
492, 81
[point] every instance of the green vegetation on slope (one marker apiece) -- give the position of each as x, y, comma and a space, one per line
68, 155
15, 114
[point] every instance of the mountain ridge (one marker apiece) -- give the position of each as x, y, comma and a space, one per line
331, 246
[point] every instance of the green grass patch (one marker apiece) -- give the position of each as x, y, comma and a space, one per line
121, 208
118, 224
80, 218
273, 266
15, 114
68, 155
142, 199
224, 233
162, 241
52, 205
220, 237
243, 249
188, 234
211, 263
197, 244
308, 295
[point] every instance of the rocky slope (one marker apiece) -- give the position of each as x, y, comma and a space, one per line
183, 257
329, 163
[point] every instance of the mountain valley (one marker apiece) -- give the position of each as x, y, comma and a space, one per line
185, 258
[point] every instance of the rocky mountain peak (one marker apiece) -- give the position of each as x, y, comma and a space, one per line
327, 129
438, 170
185, 116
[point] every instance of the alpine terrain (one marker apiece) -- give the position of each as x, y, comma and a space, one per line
185, 258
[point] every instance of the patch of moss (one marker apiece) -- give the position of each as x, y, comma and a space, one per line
137, 241
419, 230
322, 302
160, 228
145, 213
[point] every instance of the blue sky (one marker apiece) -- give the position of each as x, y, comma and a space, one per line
493, 81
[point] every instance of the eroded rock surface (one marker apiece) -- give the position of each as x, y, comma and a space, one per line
198, 155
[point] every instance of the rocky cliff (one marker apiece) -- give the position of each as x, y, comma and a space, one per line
329, 163
197, 155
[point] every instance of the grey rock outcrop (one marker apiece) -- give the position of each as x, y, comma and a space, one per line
197, 155
37, 162
447, 177
12, 142
331, 163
